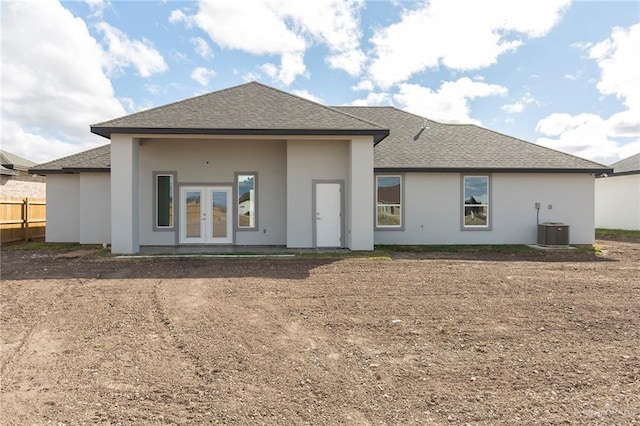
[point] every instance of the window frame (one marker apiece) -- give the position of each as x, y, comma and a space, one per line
488, 204
236, 184
399, 227
174, 186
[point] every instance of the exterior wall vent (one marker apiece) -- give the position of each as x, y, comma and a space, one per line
553, 234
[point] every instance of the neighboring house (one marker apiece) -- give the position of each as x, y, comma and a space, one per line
253, 165
15, 179
618, 196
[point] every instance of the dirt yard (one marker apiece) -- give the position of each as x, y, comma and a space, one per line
435, 338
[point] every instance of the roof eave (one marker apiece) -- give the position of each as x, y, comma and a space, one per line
627, 173
489, 170
70, 170
378, 134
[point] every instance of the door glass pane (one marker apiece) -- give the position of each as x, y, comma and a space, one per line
219, 213
193, 214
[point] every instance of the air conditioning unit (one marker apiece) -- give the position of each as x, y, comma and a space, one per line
553, 234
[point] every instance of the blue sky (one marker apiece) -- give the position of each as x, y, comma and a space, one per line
559, 73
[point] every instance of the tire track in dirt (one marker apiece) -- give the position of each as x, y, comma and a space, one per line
165, 323
8, 298
18, 353
15, 355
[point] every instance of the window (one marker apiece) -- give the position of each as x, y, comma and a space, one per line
247, 189
388, 201
476, 202
164, 200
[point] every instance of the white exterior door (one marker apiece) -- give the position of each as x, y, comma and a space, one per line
328, 214
206, 215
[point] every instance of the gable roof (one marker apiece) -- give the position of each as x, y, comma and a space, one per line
10, 163
94, 160
249, 109
628, 166
417, 144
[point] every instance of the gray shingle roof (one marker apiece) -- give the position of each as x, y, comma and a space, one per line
629, 165
8, 172
409, 146
94, 160
12, 161
459, 146
250, 108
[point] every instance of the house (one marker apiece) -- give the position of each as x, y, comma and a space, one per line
15, 179
618, 196
253, 165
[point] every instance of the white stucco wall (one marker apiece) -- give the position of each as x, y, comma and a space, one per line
360, 192
432, 206
63, 208
618, 202
124, 194
210, 162
309, 160
95, 208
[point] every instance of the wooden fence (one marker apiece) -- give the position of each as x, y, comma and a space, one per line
22, 219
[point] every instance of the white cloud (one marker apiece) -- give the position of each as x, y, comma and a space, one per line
178, 16
589, 135
36, 147
625, 123
307, 95
374, 99
291, 66
285, 28
450, 103
269, 69
520, 105
97, 7
251, 76
436, 33
154, 89
351, 61
584, 135
574, 76
202, 47
363, 85
617, 58
558, 123
582, 45
129, 104
123, 52
513, 108
53, 84
179, 56
203, 75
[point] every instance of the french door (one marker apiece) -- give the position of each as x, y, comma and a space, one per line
206, 215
